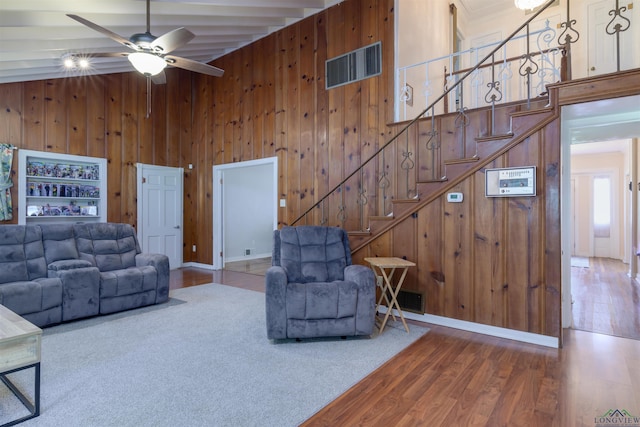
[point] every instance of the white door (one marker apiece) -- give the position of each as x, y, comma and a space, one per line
160, 211
602, 49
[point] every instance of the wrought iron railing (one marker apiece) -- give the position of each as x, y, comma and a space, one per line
415, 153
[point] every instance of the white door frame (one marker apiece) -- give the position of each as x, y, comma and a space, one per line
218, 191
140, 206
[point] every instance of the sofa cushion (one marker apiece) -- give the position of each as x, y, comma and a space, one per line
313, 254
31, 296
59, 242
127, 281
109, 246
21, 253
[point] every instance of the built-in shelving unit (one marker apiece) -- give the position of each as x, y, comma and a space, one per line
56, 187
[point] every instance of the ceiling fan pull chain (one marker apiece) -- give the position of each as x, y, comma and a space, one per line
148, 97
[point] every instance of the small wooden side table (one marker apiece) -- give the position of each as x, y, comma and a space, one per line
20, 343
387, 267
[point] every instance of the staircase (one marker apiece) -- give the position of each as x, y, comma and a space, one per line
488, 261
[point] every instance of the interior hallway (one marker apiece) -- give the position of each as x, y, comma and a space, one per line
605, 299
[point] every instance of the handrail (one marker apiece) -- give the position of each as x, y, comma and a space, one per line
423, 112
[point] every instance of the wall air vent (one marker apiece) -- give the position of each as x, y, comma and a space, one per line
356, 65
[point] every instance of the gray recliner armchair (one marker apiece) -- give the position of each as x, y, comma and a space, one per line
312, 288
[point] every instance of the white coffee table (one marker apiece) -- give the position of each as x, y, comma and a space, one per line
20, 343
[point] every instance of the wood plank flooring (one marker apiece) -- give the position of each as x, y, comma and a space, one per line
456, 378
605, 299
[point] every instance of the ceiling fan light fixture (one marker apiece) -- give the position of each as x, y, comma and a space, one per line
74, 62
528, 4
147, 63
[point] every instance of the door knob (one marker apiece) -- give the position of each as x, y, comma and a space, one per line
593, 68
176, 227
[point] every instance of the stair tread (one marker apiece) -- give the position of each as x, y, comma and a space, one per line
495, 137
465, 160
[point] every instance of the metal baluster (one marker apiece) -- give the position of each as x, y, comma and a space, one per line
362, 198
493, 95
433, 143
528, 68
342, 209
617, 25
384, 183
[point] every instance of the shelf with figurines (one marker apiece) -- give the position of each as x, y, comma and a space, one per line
71, 209
64, 186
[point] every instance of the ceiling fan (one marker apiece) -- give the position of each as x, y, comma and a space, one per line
150, 54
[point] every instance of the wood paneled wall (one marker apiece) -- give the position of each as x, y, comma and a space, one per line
271, 101
494, 261
485, 260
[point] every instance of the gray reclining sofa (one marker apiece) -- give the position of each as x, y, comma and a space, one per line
54, 273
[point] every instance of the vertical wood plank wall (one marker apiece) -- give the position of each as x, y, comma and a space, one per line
271, 101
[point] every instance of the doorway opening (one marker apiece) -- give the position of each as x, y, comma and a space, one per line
244, 210
600, 217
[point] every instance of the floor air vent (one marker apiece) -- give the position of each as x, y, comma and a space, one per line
354, 66
411, 301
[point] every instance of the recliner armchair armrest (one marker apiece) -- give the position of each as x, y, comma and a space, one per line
275, 302
365, 279
161, 264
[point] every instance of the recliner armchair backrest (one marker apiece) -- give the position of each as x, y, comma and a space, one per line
312, 253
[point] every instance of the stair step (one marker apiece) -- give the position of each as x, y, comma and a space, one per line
434, 181
521, 113
460, 161
494, 137
382, 218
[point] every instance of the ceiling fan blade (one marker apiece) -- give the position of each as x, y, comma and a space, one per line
172, 40
98, 28
195, 66
159, 79
103, 55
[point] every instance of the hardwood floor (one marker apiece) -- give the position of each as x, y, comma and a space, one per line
605, 299
456, 378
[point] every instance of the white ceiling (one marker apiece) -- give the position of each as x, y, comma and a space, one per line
35, 34
610, 123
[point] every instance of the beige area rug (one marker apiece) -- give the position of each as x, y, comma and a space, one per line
202, 359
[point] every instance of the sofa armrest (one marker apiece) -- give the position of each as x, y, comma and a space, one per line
56, 267
275, 302
80, 291
161, 264
365, 279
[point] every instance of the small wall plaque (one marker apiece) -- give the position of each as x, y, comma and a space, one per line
510, 182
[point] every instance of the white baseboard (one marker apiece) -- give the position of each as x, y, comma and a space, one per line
198, 265
479, 328
247, 258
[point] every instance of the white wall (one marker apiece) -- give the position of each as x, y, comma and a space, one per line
248, 212
583, 168
424, 33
